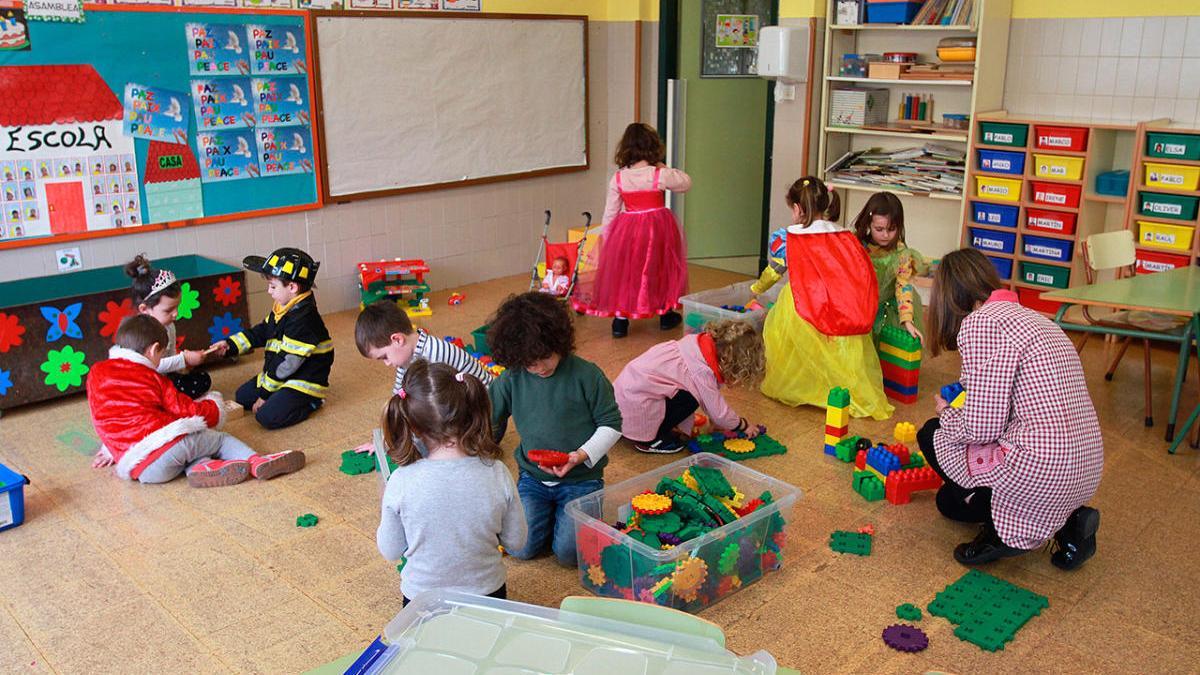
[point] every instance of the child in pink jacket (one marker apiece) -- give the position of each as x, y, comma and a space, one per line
661, 389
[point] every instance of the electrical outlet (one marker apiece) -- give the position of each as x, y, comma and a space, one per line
69, 259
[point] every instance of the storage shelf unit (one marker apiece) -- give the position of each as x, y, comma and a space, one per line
1171, 214
931, 219
1076, 155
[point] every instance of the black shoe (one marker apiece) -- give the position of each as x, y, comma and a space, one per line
620, 328
661, 446
1076, 541
985, 548
669, 320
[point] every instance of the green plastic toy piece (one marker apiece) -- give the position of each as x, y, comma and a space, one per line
621, 565
899, 338
691, 531
729, 558
988, 611
908, 612
675, 488
358, 463
400, 567
722, 512
858, 543
665, 522
844, 450
764, 446
868, 485
306, 520
711, 481
839, 397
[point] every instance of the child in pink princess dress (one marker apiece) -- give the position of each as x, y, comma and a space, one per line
642, 270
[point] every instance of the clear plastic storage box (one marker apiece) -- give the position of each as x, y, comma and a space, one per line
704, 306
448, 633
696, 573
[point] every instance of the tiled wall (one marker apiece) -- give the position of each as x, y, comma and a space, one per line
466, 234
1133, 68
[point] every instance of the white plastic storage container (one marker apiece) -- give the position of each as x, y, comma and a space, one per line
699, 571
704, 306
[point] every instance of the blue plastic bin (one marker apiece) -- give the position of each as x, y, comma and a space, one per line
993, 241
999, 161
892, 12
995, 214
1045, 248
12, 498
1003, 266
1113, 183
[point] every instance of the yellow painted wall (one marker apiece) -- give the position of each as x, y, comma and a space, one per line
1077, 9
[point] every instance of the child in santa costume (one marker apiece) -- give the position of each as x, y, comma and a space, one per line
154, 432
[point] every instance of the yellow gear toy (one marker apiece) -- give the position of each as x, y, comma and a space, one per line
651, 504
739, 445
688, 577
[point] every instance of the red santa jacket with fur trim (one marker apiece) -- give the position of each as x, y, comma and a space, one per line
139, 414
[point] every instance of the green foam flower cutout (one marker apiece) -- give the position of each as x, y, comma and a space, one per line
189, 301
64, 368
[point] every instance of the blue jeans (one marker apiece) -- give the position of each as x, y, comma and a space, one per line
546, 516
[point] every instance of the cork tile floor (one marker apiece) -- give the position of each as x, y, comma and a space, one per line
109, 576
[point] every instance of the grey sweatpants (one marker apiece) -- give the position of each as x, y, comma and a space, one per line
192, 449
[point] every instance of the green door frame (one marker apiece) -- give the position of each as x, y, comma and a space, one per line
668, 69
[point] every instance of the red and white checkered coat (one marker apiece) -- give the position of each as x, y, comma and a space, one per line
1026, 391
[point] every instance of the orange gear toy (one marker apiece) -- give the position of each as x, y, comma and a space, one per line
739, 445
596, 575
651, 504
689, 576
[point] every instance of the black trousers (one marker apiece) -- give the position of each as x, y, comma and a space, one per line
966, 505
281, 409
500, 594
193, 385
679, 407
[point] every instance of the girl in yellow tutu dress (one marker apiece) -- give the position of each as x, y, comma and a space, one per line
818, 333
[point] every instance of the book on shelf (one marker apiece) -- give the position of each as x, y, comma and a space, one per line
945, 13
930, 168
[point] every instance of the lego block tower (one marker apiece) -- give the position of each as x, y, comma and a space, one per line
837, 418
900, 360
402, 281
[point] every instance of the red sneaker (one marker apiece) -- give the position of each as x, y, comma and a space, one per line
265, 467
218, 473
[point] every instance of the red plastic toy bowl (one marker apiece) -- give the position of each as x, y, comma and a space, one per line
547, 457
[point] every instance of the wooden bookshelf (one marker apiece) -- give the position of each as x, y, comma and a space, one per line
1137, 186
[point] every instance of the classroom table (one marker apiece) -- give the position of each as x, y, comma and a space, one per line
1175, 292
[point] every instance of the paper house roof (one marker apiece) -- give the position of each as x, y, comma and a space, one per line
165, 172
34, 95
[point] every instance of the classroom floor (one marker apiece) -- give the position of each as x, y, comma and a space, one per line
110, 576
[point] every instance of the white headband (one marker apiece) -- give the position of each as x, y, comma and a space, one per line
164, 279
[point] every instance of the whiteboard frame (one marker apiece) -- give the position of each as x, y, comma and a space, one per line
319, 122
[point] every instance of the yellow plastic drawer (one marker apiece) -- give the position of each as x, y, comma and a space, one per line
1172, 176
1055, 166
999, 189
1166, 237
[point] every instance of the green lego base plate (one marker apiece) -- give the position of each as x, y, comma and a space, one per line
858, 543
764, 446
988, 611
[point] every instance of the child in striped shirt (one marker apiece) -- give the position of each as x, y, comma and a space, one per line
384, 332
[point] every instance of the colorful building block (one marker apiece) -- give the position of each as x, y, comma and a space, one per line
987, 611
882, 461
837, 417
850, 542
900, 360
901, 484
954, 394
905, 432
900, 451
867, 484
839, 397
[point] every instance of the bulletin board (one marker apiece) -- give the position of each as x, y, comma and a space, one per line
415, 100
144, 117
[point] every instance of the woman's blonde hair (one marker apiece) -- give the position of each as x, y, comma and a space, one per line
740, 352
439, 405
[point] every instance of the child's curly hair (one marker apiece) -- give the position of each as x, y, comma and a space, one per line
530, 327
740, 353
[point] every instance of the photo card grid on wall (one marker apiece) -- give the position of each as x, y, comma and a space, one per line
426, 5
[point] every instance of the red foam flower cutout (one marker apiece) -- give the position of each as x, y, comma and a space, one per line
112, 315
11, 331
227, 291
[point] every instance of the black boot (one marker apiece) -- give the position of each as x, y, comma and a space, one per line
985, 548
669, 320
620, 327
1076, 541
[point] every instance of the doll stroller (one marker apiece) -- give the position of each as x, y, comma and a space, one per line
549, 251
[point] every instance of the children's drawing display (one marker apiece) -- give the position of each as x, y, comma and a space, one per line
146, 116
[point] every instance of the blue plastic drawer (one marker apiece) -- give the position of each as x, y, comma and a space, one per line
1048, 249
12, 498
892, 12
1003, 266
991, 240
994, 214
998, 161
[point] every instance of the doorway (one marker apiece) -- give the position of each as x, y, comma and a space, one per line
65, 207
725, 123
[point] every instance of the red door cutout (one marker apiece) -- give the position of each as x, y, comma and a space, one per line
67, 211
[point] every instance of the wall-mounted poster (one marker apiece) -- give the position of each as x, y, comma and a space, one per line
70, 11
737, 30
461, 5
223, 103
156, 114
416, 4
280, 101
217, 49
14, 34
285, 150
268, 4
65, 165
370, 4
277, 50
209, 3
228, 154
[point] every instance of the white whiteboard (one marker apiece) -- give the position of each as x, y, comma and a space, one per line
413, 101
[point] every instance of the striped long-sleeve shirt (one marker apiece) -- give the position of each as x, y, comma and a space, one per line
434, 350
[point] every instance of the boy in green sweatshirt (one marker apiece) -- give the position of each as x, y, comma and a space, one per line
558, 401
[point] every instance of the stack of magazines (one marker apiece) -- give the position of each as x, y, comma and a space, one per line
927, 169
